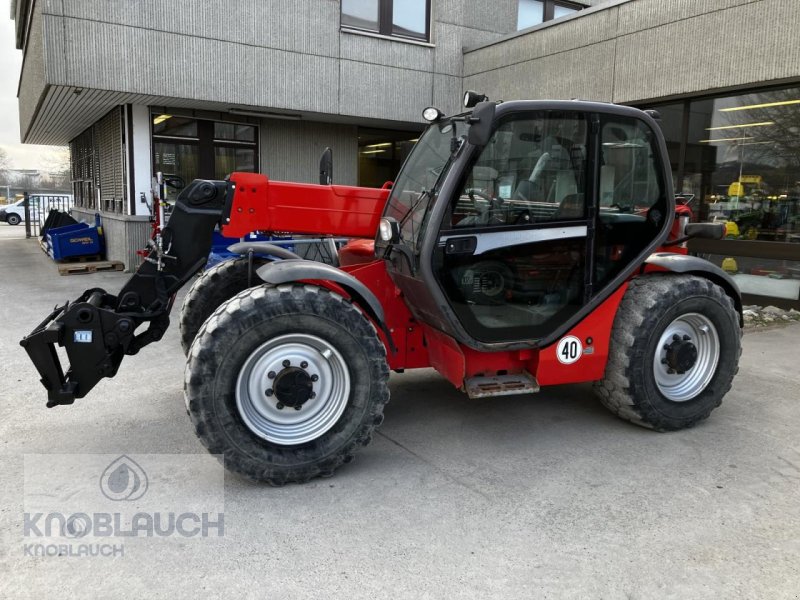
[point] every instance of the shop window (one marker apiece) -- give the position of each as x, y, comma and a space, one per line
235, 132
743, 163
535, 12
201, 149
399, 18
381, 153
737, 160
168, 125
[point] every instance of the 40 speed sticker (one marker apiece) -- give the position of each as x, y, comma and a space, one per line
569, 350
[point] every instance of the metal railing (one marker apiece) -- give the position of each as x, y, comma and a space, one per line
38, 207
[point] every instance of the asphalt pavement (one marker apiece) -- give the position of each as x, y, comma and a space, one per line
544, 496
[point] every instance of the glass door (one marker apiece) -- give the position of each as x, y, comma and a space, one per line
512, 252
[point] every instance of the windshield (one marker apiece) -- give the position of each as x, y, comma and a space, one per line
422, 173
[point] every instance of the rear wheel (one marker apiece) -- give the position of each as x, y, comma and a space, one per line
286, 383
674, 351
220, 283
13, 219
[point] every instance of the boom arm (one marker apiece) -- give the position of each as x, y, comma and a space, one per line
98, 329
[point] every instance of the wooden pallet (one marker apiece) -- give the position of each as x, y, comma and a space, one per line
90, 267
81, 259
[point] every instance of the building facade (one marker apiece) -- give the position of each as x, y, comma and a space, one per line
199, 89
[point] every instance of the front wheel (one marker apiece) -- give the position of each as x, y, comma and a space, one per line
286, 383
674, 351
220, 283
13, 219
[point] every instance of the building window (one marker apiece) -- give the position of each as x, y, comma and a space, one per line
398, 18
536, 12
200, 149
736, 159
381, 153
97, 158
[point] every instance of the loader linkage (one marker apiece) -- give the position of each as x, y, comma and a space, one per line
98, 329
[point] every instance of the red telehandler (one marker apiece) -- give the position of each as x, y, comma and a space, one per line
523, 244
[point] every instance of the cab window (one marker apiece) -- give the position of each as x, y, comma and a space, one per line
533, 170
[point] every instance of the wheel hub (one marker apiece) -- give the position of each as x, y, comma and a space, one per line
681, 354
686, 357
294, 371
293, 387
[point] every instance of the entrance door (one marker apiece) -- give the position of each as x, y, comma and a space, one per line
512, 251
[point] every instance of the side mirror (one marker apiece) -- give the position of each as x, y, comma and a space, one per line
326, 167
705, 231
480, 130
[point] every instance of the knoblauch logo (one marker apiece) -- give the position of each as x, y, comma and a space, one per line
123, 479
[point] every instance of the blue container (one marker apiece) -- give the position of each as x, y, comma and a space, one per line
73, 240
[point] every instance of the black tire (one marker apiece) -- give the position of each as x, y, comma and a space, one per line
13, 219
651, 304
236, 332
220, 283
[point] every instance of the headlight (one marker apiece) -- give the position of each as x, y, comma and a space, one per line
472, 98
432, 114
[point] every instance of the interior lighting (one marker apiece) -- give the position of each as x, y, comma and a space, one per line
761, 124
764, 105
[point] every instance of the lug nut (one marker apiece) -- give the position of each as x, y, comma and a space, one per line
314, 377
297, 407
663, 361
286, 363
671, 371
271, 374
686, 338
312, 395
675, 337
279, 406
303, 365
268, 392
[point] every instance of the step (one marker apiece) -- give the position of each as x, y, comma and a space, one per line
501, 385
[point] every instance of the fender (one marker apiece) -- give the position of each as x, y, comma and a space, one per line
261, 248
682, 263
286, 271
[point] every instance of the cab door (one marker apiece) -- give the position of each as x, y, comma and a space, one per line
512, 250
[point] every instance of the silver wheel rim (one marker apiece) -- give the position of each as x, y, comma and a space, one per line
680, 387
287, 426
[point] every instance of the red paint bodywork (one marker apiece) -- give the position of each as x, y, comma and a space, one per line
343, 211
338, 210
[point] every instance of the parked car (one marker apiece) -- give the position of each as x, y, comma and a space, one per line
39, 205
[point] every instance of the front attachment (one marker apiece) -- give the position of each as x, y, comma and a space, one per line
94, 337
98, 328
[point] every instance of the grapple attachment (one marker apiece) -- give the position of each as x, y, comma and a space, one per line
98, 329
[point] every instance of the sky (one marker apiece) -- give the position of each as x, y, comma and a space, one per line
23, 156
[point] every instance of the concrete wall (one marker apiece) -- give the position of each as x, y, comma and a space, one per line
636, 50
290, 150
265, 53
124, 235
33, 77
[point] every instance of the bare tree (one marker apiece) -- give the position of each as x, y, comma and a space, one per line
5, 165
